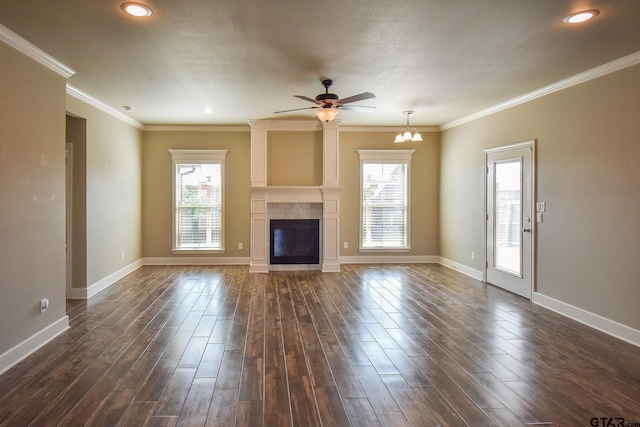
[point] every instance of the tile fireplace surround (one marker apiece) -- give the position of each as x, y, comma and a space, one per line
300, 198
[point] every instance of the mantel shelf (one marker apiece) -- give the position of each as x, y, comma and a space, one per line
295, 194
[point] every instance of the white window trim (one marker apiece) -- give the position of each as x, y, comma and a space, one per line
386, 156
205, 157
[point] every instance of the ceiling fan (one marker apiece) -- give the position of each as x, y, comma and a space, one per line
329, 104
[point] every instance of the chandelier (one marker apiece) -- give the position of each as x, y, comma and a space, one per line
405, 134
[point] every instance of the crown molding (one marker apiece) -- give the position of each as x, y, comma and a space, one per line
393, 129
602, 70
277, 125
15, 41
195, 128
288, 125
84, 97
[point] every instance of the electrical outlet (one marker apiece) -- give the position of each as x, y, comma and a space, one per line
122, 255
240, 245
473, 255
345, 245
44, 305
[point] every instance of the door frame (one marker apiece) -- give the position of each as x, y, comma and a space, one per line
531, 144
69, 215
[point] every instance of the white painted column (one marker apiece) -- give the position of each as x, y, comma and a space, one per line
259, 231
259, 221
331, 196
259, 152
331, 229
330, 154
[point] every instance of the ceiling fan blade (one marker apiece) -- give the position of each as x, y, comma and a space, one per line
306, 98
354, 98
360, 108
295, 109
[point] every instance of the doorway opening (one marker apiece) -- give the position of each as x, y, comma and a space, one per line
76, 206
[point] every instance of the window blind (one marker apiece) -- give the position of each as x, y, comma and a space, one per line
198, 205
384, 205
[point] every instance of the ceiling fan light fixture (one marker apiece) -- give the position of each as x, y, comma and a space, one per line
582, 16
136, 9
326, 114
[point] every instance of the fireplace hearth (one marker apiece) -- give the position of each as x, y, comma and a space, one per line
295, 241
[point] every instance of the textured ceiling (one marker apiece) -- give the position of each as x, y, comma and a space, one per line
247, 58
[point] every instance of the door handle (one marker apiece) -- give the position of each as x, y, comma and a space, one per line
526, 230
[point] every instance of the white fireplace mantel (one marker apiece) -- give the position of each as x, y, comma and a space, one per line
262, 194
294, 194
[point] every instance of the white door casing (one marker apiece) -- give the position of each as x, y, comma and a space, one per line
69, 214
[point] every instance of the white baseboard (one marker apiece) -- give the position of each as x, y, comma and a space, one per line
330, 267
468, 271
196, 261
608, 326
102, 284
14, 355
77, 293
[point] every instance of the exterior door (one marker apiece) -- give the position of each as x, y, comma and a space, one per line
510, 217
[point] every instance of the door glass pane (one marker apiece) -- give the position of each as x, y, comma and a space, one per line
508, 199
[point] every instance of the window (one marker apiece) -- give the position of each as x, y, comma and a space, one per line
198, 200
384, 201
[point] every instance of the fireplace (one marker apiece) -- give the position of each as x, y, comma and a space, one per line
295, 241
324, 200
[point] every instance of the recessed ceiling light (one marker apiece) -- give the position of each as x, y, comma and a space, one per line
582, 16
208, 110
136, 9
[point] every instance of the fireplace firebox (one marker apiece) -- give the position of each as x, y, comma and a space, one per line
295, 241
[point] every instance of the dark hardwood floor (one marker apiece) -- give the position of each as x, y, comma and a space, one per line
387, 345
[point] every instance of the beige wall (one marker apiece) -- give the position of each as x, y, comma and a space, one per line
425, 185
588, 172
32, 190
157, 187
294, 158
157, 183
113, 191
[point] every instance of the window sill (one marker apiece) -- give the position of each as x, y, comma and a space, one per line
385, 249
195, 251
